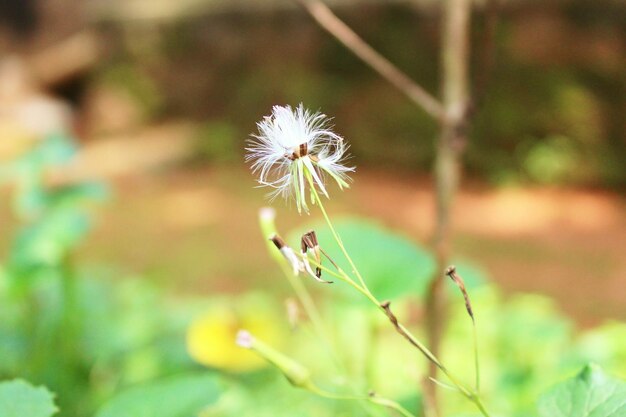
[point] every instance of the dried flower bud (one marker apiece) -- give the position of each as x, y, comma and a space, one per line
288, 254
309, 242
451, 272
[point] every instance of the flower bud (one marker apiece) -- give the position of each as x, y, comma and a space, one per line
296, 374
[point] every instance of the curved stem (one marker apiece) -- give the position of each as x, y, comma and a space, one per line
268, 228
473, 397
362, 288
343, 276
409, 336
306, 300
318, 200
476, 400
372, 399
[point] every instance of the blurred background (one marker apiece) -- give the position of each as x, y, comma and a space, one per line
127, 213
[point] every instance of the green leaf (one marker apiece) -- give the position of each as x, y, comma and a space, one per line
180, 396
56, 149
391, 265
592, 393
77, 195
20, 399
48, 240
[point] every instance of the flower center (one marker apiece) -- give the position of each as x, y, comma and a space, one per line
298, 152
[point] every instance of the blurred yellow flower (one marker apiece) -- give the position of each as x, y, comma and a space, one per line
211, 336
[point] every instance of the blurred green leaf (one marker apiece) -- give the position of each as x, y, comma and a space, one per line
553, 160
591, 393
75, 195
179, 396
20, 399
513, 369
604, 345
47, 241
391, 265
57, 149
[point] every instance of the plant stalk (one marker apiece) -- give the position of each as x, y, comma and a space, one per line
340, 274
454, 54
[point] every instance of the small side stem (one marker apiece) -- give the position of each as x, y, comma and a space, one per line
372, 399
268, 228
472, 396
476, 400
476, 360
362, 288
334, 232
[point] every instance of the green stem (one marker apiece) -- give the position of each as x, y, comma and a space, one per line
333, 231
303, 296
374, 400
306, 300
343, 276
312, 313
393, 405
476, 361
420, 346
476, 400
362, 288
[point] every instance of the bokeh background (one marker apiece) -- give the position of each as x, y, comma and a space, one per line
127, 212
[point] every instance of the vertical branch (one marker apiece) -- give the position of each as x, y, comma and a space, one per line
453, 113
454, 66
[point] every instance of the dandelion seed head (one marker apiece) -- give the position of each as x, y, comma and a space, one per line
293, 145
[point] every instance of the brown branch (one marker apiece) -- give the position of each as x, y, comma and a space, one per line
344, 34
454, 53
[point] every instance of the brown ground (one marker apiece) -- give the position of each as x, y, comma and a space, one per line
195, 228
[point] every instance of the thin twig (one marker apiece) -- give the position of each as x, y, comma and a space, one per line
344, 34
454, 276
451, 272
386, 307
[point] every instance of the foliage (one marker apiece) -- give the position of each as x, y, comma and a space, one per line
61, 324
105, 341
515, 371
20, 399
180, 396
591, 393
396, 267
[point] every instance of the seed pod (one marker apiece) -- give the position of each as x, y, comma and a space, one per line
451, 272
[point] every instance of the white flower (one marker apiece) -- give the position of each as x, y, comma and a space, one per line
294, 145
